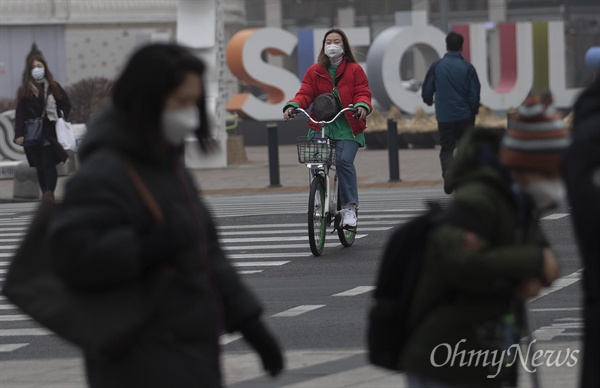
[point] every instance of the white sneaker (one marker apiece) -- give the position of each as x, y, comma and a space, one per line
349, 218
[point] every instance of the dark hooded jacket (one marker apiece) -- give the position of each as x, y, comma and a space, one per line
582, 177
464, 300
103, 237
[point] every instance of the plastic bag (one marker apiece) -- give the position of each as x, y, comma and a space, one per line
65, 135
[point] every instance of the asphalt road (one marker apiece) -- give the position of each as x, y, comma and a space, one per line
314, 303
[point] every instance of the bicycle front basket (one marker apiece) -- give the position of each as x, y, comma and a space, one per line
317, 151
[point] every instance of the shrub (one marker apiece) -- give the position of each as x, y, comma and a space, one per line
86, 96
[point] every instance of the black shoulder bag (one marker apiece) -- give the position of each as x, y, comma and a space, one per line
327, 105
34, 129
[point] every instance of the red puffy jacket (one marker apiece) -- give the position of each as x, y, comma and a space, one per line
352, 85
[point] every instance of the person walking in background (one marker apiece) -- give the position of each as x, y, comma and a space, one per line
455, 85
40, 95
488, 253
104, 239
582, 178
336, 69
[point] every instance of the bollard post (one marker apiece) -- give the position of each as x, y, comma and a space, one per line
393, 160
273, 145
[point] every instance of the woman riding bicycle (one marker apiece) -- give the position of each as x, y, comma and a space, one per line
337, 70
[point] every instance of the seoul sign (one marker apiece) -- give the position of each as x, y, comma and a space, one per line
531, 54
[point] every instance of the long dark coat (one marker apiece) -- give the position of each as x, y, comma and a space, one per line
104, 236
582, 177
33, 107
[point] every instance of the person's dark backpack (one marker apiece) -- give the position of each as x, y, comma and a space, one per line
400, 266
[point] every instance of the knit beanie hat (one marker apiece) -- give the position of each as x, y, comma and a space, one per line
536, 136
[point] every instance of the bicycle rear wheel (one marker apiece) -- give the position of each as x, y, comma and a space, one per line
317, 223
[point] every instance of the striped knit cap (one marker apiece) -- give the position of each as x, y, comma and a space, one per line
536, 136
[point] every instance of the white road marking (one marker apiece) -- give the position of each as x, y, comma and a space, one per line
547, 333
7, 247
259, 263
24, 332
559, 284
228, 338
249, 272
14, 318
257, 247
300, 232
355, 291
558, 309
277, 239
7, 307
267, 255
293, 312
4, 348
555, 216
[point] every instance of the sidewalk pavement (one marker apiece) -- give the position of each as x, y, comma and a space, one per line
418, 167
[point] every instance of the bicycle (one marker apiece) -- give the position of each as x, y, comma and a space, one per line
323, 206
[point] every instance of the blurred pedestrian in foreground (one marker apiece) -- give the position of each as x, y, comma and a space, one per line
488, 254
104, 237
41, 96
455, 85
582, 177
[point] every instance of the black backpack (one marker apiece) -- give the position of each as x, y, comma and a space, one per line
400, 266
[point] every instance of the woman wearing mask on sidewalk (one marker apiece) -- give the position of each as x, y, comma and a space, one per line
104, 238
337, 70
41, 96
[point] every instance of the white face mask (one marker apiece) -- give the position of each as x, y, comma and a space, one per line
177, 124
38, 73
547, 194
333, 51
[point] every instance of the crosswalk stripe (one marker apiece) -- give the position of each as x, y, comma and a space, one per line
24, 332
355, 291
298, 310
276, 239
266, 255
4, 348
14, 318
259, 263
555, 216
559, 284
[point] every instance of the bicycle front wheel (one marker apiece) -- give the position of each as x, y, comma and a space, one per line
347, 236
317, 223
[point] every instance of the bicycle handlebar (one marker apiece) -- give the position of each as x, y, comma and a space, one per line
325, 122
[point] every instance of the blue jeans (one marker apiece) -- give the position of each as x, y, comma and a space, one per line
345, 154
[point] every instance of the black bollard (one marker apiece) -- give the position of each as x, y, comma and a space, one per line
394, 161
273, 155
